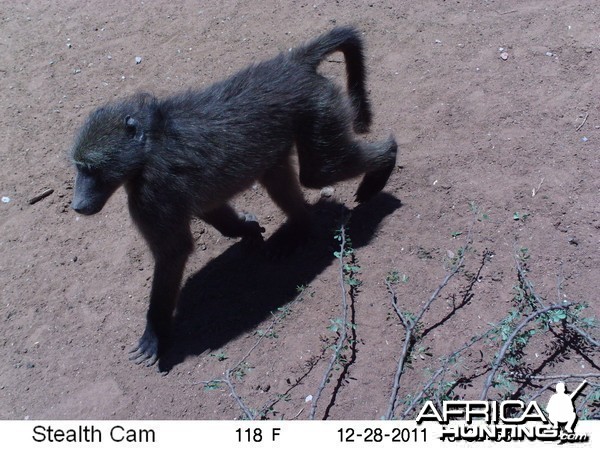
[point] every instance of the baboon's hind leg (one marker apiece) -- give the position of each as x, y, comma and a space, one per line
281, 182
329, 154
375, 180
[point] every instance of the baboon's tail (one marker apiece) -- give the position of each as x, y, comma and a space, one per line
348, 41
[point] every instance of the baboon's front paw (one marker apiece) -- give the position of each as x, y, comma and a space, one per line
146, 349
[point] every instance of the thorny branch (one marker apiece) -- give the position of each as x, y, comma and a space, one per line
522, 274
344, 326
443, 369
227, 375
410, 325
502, 353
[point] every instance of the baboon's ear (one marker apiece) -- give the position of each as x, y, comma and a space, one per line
134, 128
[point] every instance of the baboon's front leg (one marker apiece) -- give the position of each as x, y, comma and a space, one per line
233, 224
170, 254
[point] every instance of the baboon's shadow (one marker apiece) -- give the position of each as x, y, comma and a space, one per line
237, 290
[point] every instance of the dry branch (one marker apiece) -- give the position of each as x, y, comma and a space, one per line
582, 123
502, 353
344, 327
443, 369
227, 376
410, 326
522, 273
40, 196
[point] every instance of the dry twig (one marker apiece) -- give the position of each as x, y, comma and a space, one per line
227, 376
443, 369
502, 353
344, 327
582, 123
410, 326
522, 273
40, 196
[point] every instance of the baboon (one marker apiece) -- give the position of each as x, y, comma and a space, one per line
188, 154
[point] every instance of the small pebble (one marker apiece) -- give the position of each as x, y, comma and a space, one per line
5, 199
138, 59
504, 56
327, 192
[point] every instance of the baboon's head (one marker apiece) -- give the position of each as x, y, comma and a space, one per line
109, 149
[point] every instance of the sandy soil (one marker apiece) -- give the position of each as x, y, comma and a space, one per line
494, 105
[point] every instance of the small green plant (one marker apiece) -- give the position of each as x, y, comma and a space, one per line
269, 334
213, 385
220, 356
592, 399
475, 210
241, 370
520, 216
395, 277
338, 324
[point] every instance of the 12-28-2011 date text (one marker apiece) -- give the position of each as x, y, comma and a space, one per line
396, 434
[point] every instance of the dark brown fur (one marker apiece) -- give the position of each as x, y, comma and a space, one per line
188, 154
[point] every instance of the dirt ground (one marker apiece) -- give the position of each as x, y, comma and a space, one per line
495, 106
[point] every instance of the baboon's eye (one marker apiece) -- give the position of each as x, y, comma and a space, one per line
88, 169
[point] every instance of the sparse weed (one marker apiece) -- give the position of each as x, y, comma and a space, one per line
220, 356
213, 385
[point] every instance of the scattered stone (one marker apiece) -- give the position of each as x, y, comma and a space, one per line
504, 56
138, 59
5, 199
549, 54
308, 398
573, 241
327, 192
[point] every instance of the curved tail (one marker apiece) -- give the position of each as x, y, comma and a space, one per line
348, 41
